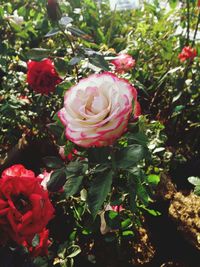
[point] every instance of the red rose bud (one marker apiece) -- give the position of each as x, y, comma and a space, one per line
25, 208
187, 53
42, 76
53, 10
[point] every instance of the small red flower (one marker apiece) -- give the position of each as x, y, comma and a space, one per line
42, 248
25, 208
187, 53
42, 76
198, 3
123, 63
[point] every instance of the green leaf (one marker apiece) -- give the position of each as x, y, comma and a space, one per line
197, 190
112, 219
72, 185
52, 32
53, 162
173, 3
101, 168
61, 66
179, 108
57, 180
138, 137
78, 33
141, 86
36, 240
62, 87
99, 61
75, 172
76, 168
57, 130
64, 21
127, 233
153, 179
126, 223
130, 156
151, 211
75, 250
194, 180
98, 191
137, 187
75, 60
38, 53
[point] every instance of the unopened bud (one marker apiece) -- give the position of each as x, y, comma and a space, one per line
53, 10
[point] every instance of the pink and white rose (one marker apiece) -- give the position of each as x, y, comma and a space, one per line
96, 110
123, 63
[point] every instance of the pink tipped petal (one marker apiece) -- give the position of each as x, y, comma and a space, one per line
96, 110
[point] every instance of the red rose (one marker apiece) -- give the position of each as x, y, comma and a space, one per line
187, 53
42, 248
42, 76
25, 208
198, 3
17, 170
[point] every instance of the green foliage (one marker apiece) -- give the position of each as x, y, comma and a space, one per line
82, 39
196, 182
100, 187
57, 180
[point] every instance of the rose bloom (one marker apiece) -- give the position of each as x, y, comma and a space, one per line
123, 63
187, 53
96, 110
25, 208
42, 248
198, 3
42, 76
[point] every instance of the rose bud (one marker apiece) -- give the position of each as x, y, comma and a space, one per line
53, 10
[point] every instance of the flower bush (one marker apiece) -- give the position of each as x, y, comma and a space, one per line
94, 130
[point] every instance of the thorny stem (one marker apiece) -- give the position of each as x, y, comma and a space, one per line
113, 160
72, 48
